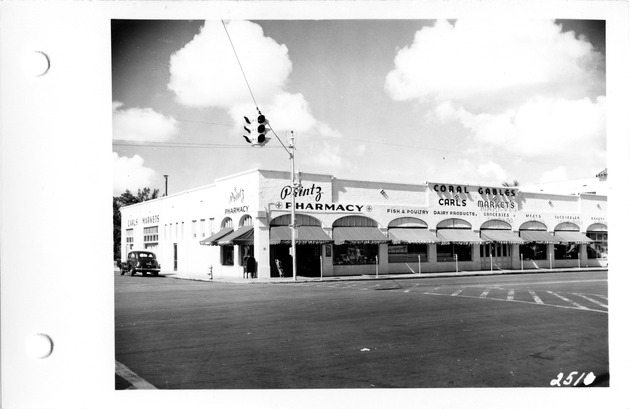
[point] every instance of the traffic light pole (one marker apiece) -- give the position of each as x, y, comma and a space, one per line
293, 226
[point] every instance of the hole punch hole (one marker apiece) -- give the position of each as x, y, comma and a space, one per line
36, 63
39, 346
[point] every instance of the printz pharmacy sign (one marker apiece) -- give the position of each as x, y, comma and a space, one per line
314, 193
481, 197
238, 195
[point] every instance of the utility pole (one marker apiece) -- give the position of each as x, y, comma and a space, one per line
294, 187
166, 182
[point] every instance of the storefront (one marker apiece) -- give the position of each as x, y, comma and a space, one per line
349, 227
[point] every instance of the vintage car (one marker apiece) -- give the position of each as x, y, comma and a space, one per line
140, 261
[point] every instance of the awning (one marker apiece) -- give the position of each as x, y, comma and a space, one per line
502, 236
539, 236
460, 236
358, 235
412, 235
214, 239
573, 237
304, 235
244, 235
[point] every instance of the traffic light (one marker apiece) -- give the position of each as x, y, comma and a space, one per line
256, 131
261, 130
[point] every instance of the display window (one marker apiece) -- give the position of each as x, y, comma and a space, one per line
355, 254
569, 251
246, 251
447, 252
227, 255
407, 253
534, 251
599, 247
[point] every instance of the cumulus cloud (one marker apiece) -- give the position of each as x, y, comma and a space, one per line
539, 127
554, 175
206, 73
487, 64
521, 87
492, 171
142, 124
130, 173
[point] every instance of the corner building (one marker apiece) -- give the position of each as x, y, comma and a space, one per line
351, 227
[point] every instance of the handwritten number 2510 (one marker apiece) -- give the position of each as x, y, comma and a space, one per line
570, 377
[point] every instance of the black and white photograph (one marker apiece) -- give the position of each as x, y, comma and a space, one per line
301, 204
360, 203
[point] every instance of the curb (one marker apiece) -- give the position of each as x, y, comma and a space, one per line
381, 277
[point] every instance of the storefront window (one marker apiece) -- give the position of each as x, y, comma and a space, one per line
227, 255
407, 253
352, 254
534, 251
566, 251
246, 251
599, 247
447, 252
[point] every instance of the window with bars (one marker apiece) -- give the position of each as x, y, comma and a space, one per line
151, 234
129, 236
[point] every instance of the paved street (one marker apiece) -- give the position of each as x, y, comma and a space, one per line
497, 331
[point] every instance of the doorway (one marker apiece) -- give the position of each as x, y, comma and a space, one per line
308, 260
501, 256
174, 256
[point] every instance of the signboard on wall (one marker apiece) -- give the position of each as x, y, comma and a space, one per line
481, 198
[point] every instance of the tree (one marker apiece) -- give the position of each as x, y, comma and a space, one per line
127, 199
514, 183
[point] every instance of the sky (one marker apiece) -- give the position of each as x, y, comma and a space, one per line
476, 101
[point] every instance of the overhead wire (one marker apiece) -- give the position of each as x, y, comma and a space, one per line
247, 82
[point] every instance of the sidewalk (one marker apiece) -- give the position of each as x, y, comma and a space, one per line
285, 280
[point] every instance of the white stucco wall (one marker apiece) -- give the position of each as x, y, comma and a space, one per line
264, 195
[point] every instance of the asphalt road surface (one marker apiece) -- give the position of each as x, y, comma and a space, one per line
541, 330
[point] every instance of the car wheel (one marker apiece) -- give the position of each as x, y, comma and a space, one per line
144, 274
156, 273
122, 272
133, 272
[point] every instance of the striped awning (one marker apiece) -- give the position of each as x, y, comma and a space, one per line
460, 236
244, 235
573, 237
358, 235
304, 235
412, 235
214, 239
502, 236
539, 236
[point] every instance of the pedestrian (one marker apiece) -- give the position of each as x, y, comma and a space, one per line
250, 265
245, 262
279, 266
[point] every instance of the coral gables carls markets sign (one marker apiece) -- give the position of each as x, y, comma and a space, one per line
484, 198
